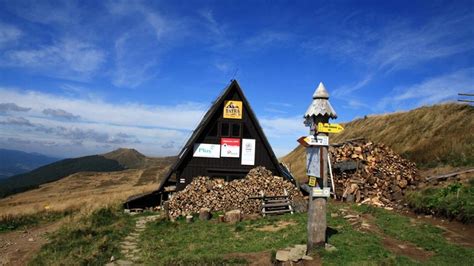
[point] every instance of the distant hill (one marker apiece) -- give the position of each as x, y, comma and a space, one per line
82, 190
56, 171
118, 160
429, 136
13, 162
129, 158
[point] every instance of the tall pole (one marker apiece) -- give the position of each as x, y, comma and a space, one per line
319, 111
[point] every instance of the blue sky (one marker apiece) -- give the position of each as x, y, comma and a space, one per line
86, 77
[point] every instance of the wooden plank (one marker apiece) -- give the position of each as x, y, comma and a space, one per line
271, 205
278, 211
449, 174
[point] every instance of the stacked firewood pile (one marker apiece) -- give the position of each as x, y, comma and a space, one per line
372, 173
218, 195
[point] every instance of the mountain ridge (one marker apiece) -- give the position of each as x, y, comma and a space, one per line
14, 162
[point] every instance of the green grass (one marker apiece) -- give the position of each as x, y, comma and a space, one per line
454, 201
94, 239
422, 235
90, 241
208, 242
15, 222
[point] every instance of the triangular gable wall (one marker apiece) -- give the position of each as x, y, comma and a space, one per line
187, 167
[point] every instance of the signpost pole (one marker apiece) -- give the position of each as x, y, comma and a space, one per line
317, 205
319, 111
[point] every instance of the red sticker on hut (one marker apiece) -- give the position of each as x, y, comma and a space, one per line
230, 147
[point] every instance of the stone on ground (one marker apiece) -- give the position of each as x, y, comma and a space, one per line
282, 255
204, 214
189, 218
297, 253
233, 216
124, 262
329, 247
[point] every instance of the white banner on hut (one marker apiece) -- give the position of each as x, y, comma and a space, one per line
248, 152
230, 147
207, 150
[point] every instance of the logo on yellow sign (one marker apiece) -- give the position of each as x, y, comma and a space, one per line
233, 109
330, 128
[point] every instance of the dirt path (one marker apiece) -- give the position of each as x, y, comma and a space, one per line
455, 232
18, 247
366, 223
129, 246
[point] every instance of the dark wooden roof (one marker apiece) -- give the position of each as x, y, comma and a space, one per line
188, 147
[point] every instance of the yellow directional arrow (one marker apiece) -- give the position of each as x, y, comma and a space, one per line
330, 128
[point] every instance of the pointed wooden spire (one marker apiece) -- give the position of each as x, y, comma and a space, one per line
320, 105
321, 92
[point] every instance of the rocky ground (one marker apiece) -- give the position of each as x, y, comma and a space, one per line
18, 247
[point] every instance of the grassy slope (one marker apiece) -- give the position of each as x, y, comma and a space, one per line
88, 190
91, 240
16, 222
117, 160
429, 136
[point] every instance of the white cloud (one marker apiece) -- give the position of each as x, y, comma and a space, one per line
131, 114
282, 133
430, 91
216, 31
61, 114
9, 33
16, 121
397, 44
46, 12
11, 107
138, 50
150, 129
283, 127
133, 65
391, 45
67, 56
267, 38
348, 89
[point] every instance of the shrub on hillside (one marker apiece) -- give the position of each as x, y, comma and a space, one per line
92, 240
453, 201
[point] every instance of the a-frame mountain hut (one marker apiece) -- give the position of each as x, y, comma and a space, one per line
227, 143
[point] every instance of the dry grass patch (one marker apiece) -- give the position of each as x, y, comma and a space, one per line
82, 191
275, 227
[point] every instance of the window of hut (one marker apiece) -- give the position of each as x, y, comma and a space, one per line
235, 130
225, 130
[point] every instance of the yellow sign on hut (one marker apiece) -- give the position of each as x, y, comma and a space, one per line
330, 128
233, 109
